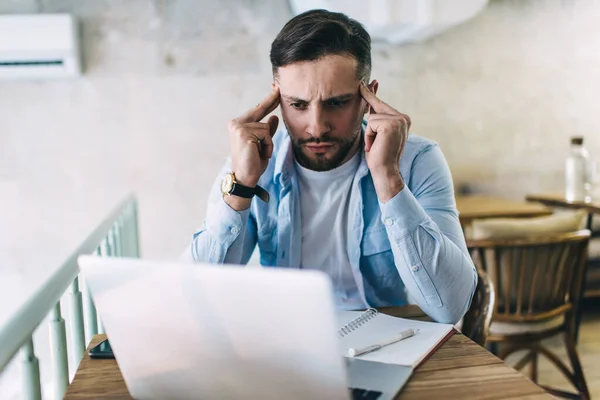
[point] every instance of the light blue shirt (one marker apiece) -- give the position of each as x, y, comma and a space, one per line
412, 243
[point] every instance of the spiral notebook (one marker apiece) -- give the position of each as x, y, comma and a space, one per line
360, 329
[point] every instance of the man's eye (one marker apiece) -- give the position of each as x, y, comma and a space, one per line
336, 103
298, 106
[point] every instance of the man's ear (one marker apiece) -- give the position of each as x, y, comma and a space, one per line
373, 86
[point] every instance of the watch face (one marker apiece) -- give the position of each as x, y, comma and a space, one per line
227, 184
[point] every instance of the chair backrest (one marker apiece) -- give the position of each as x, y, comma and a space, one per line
535, 278
477, 320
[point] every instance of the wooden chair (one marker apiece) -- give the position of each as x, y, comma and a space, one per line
538, 284
477, 320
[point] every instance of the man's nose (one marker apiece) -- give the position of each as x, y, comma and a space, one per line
318, 125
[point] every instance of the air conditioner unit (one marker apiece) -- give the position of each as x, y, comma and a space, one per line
39, 47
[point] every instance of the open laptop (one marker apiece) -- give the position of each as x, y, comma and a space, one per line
188, 331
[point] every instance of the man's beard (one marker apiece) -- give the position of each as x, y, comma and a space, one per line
320, 163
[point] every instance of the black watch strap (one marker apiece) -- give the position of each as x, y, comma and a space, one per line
248, 192
261, 194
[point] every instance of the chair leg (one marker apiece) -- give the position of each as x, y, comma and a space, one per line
561, 393
573, 378
530, 358
533, 371
526, 359
576, 364
508, 349
493, 348
536, 349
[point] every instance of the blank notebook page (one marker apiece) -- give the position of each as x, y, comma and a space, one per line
408, 352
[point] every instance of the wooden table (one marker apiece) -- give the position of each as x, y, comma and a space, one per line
459, 369
475, 207
559, 200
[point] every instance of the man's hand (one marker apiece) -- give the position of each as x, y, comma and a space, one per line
385, 137
252, 145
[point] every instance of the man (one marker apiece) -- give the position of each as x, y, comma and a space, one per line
361, 200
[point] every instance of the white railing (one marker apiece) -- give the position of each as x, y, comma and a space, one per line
116, 236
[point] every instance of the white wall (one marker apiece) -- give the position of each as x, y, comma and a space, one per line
501, 94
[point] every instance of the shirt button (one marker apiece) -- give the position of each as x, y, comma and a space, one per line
414, 268
389, 221
235, 230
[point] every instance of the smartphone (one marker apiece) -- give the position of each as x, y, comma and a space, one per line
101, 350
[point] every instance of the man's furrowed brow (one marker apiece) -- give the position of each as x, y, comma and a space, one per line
293, 98
341, 97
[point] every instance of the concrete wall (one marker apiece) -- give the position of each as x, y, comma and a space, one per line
501, 94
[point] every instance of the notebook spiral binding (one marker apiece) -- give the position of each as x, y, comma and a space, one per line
357, 322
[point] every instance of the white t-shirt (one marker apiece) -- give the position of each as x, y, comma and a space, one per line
324, 199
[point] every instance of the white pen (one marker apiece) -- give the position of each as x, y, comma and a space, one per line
401, 336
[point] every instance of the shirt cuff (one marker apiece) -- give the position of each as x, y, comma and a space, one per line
224, 223
402, 214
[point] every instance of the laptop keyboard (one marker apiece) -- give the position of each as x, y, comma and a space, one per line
364, 394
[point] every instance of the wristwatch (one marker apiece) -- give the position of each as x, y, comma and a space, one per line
230, 187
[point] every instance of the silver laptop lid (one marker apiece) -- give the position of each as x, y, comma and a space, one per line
203, 331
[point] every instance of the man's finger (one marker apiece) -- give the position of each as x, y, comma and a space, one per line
263, 108
256, 125
403, 118
273, 123
262, 139
255, 135
369, 138
408, 121
378, 106
267, 148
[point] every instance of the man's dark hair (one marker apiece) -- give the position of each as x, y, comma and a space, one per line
318, 33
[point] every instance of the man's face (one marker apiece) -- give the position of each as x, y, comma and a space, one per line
322, 110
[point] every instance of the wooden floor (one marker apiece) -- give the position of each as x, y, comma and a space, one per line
589, 353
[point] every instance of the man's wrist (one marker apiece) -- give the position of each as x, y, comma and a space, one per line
244, 180
241, 199
237, 203
388, 183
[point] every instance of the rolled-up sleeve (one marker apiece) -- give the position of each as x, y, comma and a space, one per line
428, 244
